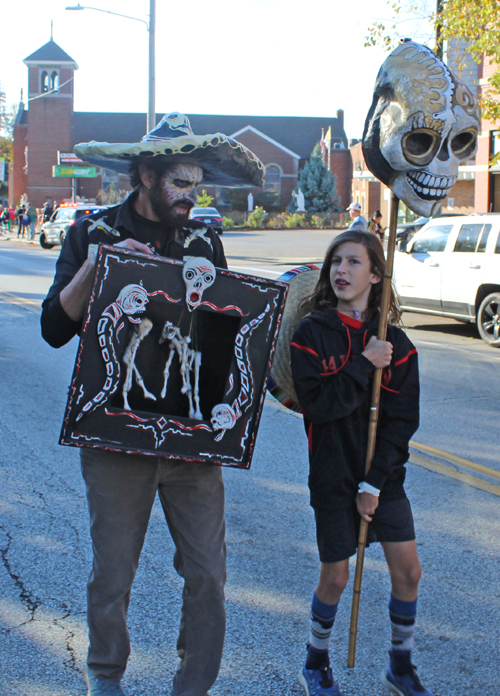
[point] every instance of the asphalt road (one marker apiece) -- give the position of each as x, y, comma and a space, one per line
45, 551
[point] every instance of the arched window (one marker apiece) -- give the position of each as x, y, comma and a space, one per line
44, 82
54, 80
272, 183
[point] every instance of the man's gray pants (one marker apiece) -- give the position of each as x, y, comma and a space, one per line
121, 490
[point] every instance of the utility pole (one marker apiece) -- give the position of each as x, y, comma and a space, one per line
152, 76
439, 36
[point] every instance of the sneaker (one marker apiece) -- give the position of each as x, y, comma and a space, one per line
99, 686
318, 682
407, 684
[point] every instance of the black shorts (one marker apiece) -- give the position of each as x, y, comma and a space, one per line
337, 530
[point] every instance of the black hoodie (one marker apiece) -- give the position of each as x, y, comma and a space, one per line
333, 383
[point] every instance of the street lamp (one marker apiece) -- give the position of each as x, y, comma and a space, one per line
151, 29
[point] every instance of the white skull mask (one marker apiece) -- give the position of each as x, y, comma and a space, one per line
199, 274
422, 124
223, 418
132, 300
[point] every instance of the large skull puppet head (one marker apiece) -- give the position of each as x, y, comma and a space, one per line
199, 274
422, 124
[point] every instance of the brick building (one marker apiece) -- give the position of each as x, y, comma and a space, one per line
50, 125
487, 194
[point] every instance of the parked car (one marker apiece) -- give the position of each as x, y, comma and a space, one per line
406, 230
209, 215
451, 268
54, 231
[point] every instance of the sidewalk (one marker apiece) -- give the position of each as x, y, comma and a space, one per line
11, 236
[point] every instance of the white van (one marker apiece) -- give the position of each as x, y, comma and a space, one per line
451, 268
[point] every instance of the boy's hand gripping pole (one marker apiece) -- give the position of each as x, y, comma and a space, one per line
372, 425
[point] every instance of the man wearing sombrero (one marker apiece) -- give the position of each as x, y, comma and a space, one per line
165, 169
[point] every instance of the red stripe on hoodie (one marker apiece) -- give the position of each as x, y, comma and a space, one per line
400, 362
308, 350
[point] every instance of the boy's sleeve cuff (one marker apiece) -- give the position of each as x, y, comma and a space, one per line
365, 487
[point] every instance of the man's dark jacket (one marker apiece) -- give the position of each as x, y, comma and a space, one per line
110, 227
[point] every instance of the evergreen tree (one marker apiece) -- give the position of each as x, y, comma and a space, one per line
7, 116
204, 201
318, 186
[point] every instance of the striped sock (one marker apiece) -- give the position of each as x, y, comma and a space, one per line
402, 615
322, 619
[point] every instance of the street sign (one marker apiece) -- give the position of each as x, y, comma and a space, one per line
2, 170
68, 158
75, 172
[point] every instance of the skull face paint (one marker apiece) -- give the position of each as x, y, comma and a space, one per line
198, 274
180, 183
174, 194
422, 124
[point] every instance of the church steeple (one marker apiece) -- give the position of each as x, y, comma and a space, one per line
50, 121
49, 68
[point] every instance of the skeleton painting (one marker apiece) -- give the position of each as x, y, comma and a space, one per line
131, 301
422, 124
190, 362
166, 366
224, 416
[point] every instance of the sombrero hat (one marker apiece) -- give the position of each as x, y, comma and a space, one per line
225, 162
302, 281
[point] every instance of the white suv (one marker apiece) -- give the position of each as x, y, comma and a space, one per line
451, 268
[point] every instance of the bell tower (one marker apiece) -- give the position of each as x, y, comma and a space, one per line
50, 120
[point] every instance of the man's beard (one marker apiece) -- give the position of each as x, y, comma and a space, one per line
165, 212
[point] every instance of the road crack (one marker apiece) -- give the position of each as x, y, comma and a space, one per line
28, 599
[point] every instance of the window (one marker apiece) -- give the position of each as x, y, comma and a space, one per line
272, 183
497, 248
54, 80
44, 82
433, 239
484, 238
468, 237
64, 214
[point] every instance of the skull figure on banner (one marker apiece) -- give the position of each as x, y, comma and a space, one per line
423, 123
199, 274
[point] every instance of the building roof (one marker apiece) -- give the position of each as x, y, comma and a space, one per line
266, 137
50, 53
297, 133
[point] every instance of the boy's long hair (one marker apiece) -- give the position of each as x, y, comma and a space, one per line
323, 296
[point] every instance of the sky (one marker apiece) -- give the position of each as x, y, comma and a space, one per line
239, 57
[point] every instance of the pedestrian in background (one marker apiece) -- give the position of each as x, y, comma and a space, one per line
375, 226
334, 354
12, 216
31, 217
48, 209
20, 212
358, 222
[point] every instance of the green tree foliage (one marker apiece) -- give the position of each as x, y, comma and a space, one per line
318, 186
257, 218
7, 116
204, 201
475, 22
112, 195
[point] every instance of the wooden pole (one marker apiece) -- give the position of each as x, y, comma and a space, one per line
372, 425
